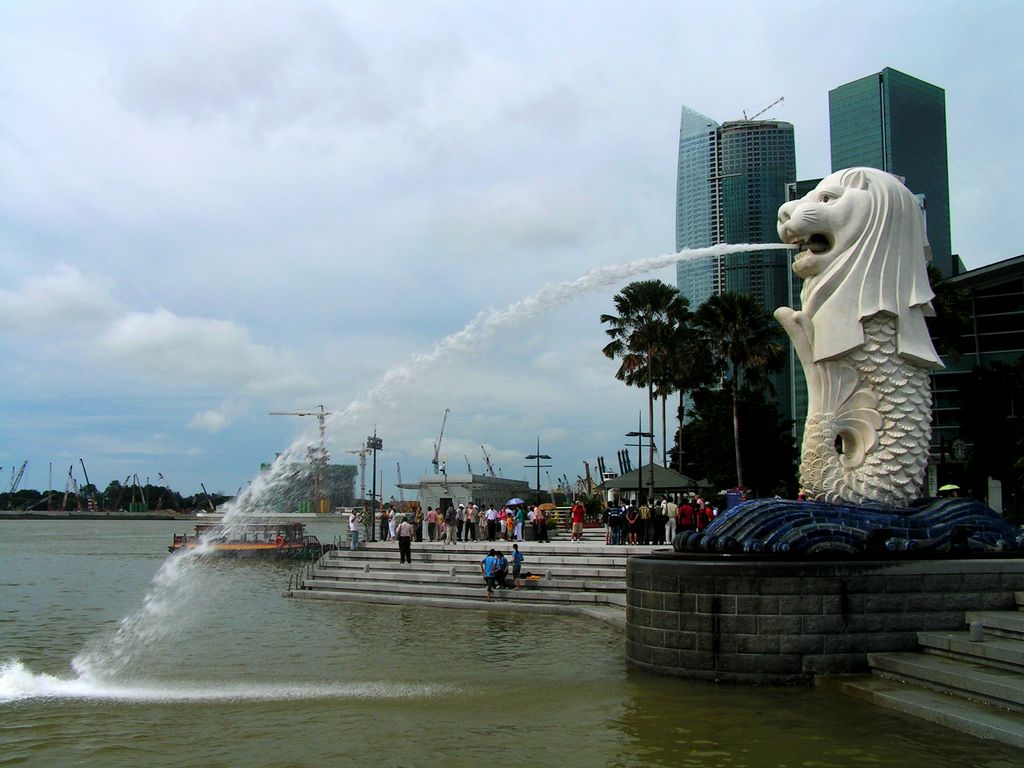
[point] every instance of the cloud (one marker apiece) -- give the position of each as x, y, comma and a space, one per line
62, 298
522, 216
199, 351
344, 182
277, 63
208, 421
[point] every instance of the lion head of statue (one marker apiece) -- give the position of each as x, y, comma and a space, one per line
863, 250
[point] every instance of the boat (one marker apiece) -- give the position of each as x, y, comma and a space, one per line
270, 540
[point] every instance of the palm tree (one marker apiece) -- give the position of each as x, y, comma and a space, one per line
675, 372
648, 313
740, 338
680, 375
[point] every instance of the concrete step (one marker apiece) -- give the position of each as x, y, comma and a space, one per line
448, 568
971, 717
531, 559
480, 548
979, 682
539, 595
583, 575
1000, 623
416, 577
611, 614
1004, 653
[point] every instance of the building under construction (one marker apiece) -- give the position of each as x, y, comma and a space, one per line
295, 494
443, 490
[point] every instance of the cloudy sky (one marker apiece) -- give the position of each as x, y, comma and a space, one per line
211, 210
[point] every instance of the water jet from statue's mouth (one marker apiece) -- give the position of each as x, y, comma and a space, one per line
815, 243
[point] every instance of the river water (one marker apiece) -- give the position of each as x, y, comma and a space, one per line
254, 679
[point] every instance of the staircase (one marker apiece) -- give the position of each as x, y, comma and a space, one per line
972, 685
585, 577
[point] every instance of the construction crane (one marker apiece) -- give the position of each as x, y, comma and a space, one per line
136, 483
68, 483
16, 479
401, 493
487, 461
317, 454
436, 461
120, 494
469, 467
589, 479
90, 496
361, 453
163, 488
209, 499
779, 100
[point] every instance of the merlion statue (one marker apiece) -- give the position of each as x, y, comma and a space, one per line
861, 337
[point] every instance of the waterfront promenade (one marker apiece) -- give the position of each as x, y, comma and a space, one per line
585, 578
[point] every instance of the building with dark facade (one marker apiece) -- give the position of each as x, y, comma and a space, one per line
731, 180
993, 299
897, 123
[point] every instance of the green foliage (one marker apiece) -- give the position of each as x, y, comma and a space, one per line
645, 330
663, 347
649, 334
739, 338
952, 318
766, 442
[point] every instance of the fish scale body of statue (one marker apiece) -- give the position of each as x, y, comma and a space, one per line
861, 337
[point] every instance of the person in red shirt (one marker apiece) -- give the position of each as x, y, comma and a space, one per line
684, 517
577, 521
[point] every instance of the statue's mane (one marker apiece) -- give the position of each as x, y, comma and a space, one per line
883, 270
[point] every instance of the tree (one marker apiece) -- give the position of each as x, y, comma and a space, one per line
740, 339
678, 375
953, 315
649, 313
706, 444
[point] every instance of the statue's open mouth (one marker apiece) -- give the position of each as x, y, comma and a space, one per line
816, 243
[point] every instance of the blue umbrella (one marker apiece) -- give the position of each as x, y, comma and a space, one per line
513, 502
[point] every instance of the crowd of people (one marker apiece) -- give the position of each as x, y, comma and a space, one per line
659, 522
655, 523
467, 522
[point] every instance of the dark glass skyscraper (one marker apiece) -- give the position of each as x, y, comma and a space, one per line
897, 123
731, 181
698, 204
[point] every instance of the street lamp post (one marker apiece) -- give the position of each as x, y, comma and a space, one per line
639, 434
536, 457
374, 444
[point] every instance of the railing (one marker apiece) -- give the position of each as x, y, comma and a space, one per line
296, 580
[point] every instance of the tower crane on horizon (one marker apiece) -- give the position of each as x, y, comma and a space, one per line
487, 461
120, 494
89, 488
317, 454
436, 461
361, 453
756, 115
68, 484
16, 479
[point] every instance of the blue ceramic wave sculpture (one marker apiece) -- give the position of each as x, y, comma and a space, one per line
808, 527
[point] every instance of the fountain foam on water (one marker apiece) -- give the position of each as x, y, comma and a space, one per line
166, 606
